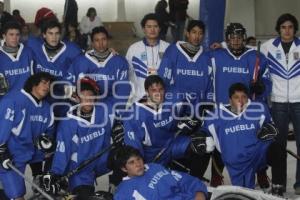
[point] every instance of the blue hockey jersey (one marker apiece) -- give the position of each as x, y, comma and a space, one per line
185, 74
229, 69
236, 139
16, 70
59, 64
110, 75
158, 182
56, 66
22, 121
150, 131
79, 140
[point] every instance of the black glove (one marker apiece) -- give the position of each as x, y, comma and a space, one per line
45, 143
201, 144
188, 125
5, 156
51, 183
267, 132
257, 88
118, 132
104, 195
3, 85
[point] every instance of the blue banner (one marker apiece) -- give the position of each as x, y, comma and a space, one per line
212, 13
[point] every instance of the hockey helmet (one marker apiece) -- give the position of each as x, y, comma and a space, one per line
235, 29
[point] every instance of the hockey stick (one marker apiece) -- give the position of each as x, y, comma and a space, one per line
256, 67
47, 196
238, 192
293, 154
87, 162
163, 150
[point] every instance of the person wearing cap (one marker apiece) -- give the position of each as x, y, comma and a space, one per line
85, 132
283, 54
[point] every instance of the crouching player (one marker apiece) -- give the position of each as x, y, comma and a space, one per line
244, 135
26, 128
154, 130
153, 181
85, 132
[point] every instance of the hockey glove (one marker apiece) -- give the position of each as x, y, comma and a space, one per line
51, 183
188, 125
257, 88
201, 144
5, 156
3, 85
267, 132
118, 133
45, 143
104, 195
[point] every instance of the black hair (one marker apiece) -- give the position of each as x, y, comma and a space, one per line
286, 17
119, 157
90, 11
250, 38
98, 29
73, 24
238, 87
194, 23
49, 24
150, 16
16, 12
11, 25
35, 79
150, 80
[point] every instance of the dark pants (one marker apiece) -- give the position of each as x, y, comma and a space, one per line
282, 114
275, 154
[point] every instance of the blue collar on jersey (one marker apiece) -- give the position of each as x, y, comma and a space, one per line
147, 44
277, 41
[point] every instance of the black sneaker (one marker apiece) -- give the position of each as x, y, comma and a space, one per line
291, 136
277, 190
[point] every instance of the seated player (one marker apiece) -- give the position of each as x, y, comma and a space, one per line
153, 181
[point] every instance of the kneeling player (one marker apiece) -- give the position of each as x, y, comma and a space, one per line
84, 133
243, 134
26, 129
153, 181
156, 122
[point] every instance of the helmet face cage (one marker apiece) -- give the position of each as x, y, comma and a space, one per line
233, 31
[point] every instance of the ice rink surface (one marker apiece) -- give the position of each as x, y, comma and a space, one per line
102, 182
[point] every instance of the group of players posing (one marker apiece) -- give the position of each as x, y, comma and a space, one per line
174, 118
